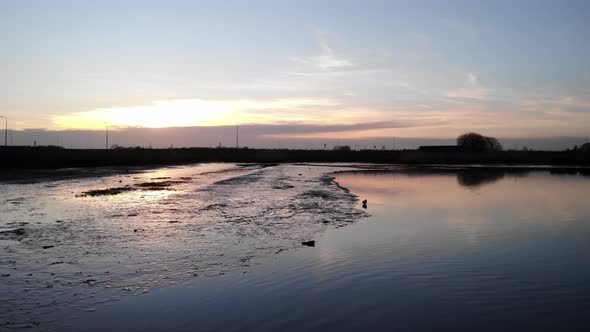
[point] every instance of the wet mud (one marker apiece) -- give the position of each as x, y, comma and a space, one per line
73, 245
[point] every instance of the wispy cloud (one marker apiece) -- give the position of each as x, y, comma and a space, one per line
327, 60
471, 89
335, 131
562, 102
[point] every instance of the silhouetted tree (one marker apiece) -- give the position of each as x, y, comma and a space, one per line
478, 142
472, 141
494, 144
585, 147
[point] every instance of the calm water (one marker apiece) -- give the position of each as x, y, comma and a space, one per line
442, 250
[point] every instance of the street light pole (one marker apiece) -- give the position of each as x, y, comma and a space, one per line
5, 130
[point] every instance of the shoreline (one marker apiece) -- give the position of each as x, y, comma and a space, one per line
19, 158
36, 175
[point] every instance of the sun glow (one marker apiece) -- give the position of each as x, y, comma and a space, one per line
196, 112
173, 113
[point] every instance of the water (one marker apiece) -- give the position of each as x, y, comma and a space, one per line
71, 245
442, 249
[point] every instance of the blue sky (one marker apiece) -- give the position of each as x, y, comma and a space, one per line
433, 69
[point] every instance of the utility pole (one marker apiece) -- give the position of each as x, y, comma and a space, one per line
237, 137
5, 130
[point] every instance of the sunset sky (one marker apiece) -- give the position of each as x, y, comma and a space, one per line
319, 69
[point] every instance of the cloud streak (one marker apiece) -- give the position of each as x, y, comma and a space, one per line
334, 131
327, 60
471, 89
562, 102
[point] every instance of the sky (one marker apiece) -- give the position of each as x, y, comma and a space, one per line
302, 72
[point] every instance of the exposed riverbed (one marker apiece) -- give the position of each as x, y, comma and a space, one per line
74, 244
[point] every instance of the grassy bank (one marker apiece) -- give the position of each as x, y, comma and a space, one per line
54, 157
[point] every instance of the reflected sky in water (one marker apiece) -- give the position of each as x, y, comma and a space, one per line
442, 250
440, 213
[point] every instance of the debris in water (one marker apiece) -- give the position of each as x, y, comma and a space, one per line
12, 234
19, 231
106, 192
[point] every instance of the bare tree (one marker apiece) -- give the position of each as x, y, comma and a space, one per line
493, 144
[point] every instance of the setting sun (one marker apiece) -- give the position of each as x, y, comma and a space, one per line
156, 115
198, 112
